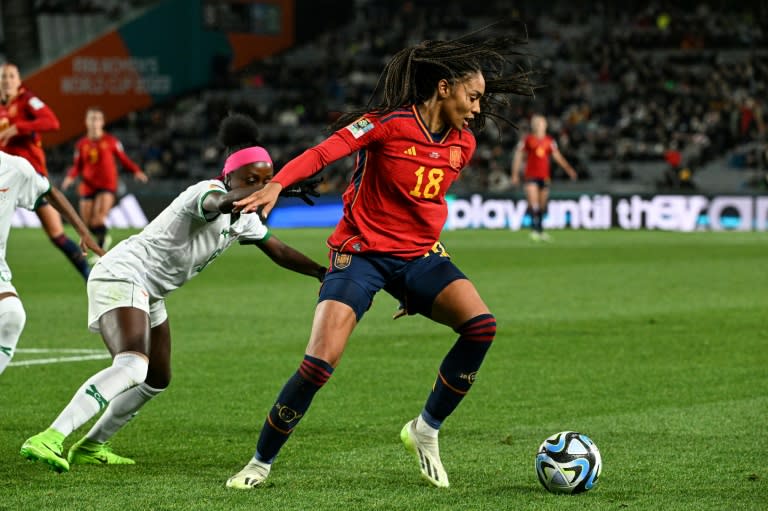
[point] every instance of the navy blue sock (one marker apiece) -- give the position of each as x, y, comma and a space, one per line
73, 253
292, 403
99, 232
458, 370
536, 220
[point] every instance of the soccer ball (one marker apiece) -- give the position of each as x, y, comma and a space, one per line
568, 462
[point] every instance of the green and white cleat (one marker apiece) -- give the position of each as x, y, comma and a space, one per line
46, 447
535, 236
88, 452
427, 452
252, 475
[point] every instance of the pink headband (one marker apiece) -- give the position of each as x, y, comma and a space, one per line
244, 157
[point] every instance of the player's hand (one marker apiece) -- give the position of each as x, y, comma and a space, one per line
88, 243
7, 134
303, 190
141, 177
261, 201
67, 182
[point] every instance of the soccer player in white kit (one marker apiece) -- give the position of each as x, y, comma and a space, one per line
127, 288
22, 186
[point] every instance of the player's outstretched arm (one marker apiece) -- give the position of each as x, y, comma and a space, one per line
60, 202
290, 258
261, 201
229, 202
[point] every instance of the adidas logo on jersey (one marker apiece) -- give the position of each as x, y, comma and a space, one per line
411, 151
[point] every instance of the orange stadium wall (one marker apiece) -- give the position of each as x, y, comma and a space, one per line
169, 50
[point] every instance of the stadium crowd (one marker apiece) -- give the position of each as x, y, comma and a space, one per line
618, 84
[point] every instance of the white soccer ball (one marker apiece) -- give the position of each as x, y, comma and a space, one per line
568, 462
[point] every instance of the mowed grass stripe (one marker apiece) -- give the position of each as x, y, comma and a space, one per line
653, 343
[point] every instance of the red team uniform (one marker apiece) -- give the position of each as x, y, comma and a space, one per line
30, 116
95, 164
538, 150
395, 203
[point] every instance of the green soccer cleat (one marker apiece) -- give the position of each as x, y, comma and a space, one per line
253, 474
427, 453
88, 452
46, 447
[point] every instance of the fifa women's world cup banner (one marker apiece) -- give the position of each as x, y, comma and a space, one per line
173, 47
664, 212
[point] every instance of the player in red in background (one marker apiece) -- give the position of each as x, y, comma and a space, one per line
410, 148
538, 147
22, 117
95, 165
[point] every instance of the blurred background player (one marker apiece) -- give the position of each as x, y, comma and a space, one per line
127, 290
22, 117
410, 148
21, 186
95, 165
537, 148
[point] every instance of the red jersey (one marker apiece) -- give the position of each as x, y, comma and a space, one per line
95, 163
30, 116
538, 151
395, 202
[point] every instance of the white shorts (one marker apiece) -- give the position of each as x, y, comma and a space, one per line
105, 294
7, 287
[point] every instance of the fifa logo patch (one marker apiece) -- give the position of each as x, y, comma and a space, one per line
360, 127
454, 157
341, 261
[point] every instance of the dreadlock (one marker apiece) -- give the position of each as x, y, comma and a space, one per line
238, 131
411, 76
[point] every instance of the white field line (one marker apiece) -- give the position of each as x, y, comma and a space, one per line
82, 354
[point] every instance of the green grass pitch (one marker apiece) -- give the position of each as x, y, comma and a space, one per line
654, 344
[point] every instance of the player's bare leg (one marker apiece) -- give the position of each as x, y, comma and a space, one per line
102, 204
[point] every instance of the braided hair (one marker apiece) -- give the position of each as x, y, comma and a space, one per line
412, 75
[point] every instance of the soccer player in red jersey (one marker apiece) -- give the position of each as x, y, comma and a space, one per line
537, 148
410, 148
22, 117
94, 163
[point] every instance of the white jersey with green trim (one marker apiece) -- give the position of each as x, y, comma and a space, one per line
179, 243
20, 186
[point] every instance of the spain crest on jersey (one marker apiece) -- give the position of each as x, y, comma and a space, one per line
454, 157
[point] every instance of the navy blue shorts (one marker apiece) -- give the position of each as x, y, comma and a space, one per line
354, 279
541, 183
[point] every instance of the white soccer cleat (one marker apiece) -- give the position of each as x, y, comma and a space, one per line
252, 475
427, 452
